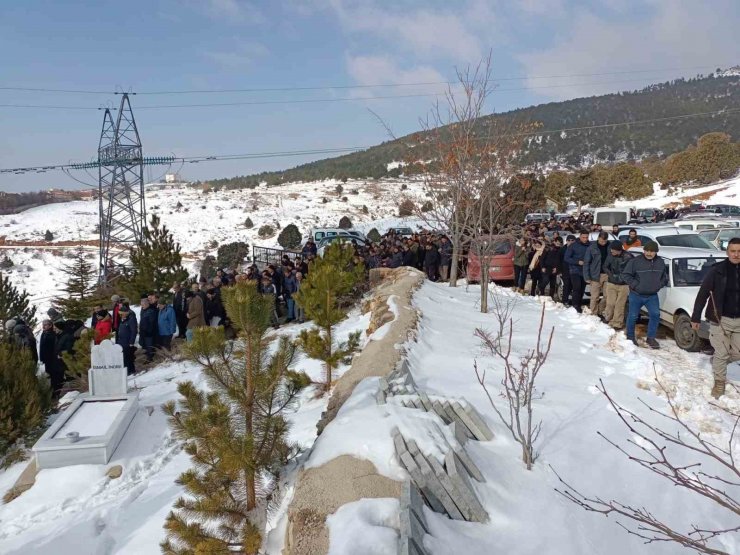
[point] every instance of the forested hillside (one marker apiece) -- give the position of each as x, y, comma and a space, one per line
569, 148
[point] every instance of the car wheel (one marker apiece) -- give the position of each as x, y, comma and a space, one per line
686, 338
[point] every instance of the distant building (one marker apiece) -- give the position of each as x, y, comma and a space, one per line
171, 178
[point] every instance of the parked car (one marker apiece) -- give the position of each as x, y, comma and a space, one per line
326, 241
699, 224
404, 231
537, 217
686, 270
725, 209
720, 237
500, 264
319, 233
646, 215
607, 217
667, 236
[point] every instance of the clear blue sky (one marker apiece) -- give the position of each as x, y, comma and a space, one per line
157, 45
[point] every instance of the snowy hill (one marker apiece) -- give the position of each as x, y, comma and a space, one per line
198, 221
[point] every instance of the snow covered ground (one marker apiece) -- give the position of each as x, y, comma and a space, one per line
527, 515
721, 192
77, 506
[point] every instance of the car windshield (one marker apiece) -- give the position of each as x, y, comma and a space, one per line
689, 272
725, 235
608, 219
493, 246
691, 240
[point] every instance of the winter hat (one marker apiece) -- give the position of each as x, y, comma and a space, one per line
115, 298
124, 308
616, 245
9, 325
651, 246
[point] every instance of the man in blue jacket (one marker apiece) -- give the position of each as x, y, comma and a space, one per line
166, 323
574, 258
646, 275
126, 336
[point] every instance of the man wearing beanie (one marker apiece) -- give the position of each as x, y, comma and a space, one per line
645, 275
616, 291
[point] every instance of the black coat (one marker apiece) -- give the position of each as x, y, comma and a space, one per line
215, 307
180, 304
712, 290
47, 347
149, 326
127, 330
431, 258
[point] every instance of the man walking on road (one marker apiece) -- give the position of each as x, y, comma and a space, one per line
720, 289
646, 275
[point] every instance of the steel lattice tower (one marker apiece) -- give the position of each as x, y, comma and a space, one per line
120, 189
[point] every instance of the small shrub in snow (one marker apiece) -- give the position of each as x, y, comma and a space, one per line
519, 378
290, 237
365, 209
404, 187
345, 223
266, 231
374, 236
212, 244
248, 223
6, 263
324, 200
339, 189
406, 208
48, 236
427, 206
345, 199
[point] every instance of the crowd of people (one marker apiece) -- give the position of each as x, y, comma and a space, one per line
555, 257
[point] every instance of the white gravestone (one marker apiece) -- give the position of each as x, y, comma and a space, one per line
107, 374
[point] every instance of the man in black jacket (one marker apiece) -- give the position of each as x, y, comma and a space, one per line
616, 291
646, 275
180, 305
48, 356
720, 289
148, 328
126, 337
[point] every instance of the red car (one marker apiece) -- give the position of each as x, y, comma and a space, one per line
500, 263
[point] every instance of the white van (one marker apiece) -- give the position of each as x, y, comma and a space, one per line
317, 234
608, 217
697, 224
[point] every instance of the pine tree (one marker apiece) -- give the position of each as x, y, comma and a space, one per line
374, 236
6, 263
156, 262
231, 255
248, 223
79, 292
234, 433
345, 223
48, 236
331, 277
290, 237
24, 398
265, 231
14, 303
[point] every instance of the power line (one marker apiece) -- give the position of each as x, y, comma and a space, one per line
54, 107
336, 150
345, 87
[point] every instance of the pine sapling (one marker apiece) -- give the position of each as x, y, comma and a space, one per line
235, 434
331, 277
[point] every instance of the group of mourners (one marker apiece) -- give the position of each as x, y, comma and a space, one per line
557, 256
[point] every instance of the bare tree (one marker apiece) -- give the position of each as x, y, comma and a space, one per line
518, 382
649, 449
470, 156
